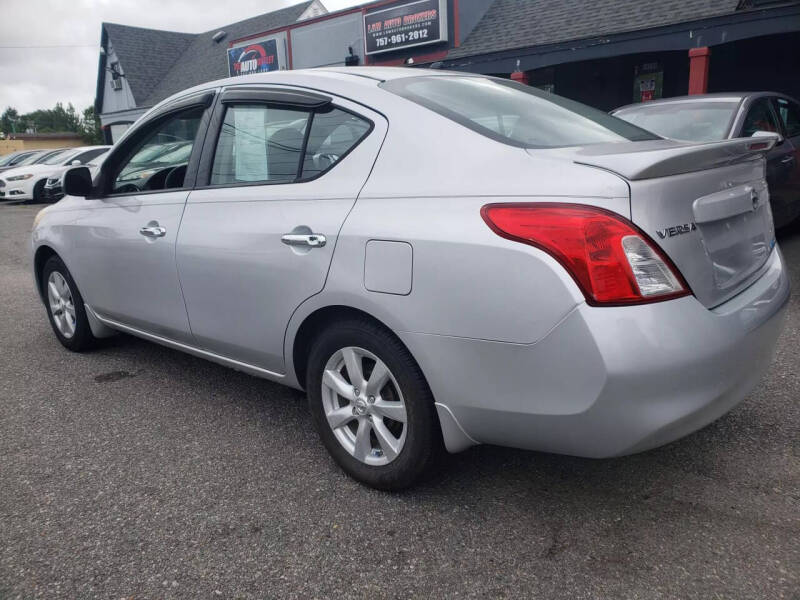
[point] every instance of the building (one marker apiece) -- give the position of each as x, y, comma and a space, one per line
15, 142
605, 53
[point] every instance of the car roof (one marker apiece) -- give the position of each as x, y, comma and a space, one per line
715, 97
368, 76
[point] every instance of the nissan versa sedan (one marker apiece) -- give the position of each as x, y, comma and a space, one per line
712, 117
438, 259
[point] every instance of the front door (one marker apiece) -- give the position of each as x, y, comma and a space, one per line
124, 241
761, 117
257, 240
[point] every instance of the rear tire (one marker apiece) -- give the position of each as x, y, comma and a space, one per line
65, 308
386, 435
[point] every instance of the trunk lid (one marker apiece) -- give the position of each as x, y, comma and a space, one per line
705, 205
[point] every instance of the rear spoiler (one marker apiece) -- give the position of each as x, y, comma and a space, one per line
648, 160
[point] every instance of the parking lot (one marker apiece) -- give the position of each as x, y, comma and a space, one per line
136, 471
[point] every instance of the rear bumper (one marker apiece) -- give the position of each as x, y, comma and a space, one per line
608, 381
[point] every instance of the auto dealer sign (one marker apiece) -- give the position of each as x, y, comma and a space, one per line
254, 57
405, 26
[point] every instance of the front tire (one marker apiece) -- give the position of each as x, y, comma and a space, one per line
371, 405
65, 308
38, 192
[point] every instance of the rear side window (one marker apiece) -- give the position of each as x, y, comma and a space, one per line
515, 114
333, 134
269, 144
789, 113
259, 143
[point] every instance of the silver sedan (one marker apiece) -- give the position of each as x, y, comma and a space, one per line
438, 259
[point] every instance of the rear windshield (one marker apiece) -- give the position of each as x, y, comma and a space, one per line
513, 113
704, 121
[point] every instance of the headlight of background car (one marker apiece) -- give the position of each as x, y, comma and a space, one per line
20, 177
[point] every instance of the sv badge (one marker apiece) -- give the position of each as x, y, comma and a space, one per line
676, 230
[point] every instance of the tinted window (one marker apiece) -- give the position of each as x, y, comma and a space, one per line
86, 157
56, 158
704, 121
759, 118
10, 159
259, 143
26, 159
156, 162
333, 134
789, 113
513, 113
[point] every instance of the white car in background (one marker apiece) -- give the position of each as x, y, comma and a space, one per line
54, 187
27, 182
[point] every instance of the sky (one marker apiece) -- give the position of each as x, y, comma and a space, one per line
49, 48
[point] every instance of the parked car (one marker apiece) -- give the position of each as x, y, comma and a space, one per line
53, 188
26, 182
437, 259
10, 160
27, 158
713, 117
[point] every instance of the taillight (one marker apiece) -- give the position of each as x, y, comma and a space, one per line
611, 260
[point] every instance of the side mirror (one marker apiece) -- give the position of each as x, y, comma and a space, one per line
78, 182
76, 163
769, 134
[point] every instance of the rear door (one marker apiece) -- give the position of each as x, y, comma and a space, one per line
282, 169
761, 116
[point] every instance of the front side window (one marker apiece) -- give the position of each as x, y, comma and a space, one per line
270, 144
759, 118
159, 160
515, 114
789, 113
692, 121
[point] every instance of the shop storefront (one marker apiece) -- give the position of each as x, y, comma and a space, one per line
591, 54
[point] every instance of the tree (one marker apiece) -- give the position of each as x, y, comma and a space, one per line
8, 120
54, 120
91, 130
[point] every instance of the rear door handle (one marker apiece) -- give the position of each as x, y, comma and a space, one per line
153, 231
786, 160
310, 240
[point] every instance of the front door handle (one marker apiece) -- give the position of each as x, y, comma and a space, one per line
152, 231
310, 240
788, 159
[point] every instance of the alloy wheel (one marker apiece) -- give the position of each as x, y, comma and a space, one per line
364, 406
62, 306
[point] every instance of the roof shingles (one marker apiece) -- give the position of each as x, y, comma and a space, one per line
511, 24
158, 63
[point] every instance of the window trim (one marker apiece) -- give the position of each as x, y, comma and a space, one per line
124, 152
215, 130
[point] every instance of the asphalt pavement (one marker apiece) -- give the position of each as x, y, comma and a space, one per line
135, 471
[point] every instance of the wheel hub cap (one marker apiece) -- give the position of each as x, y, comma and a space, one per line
62, 307
364, 406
